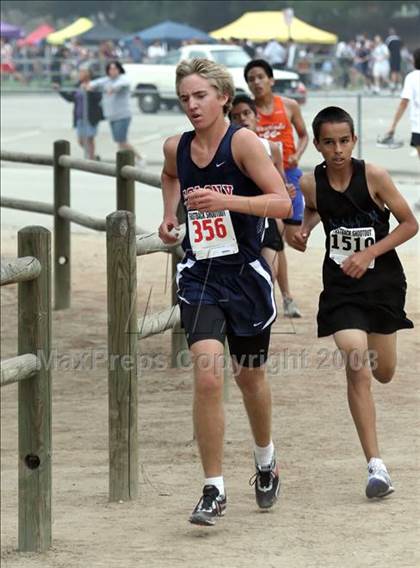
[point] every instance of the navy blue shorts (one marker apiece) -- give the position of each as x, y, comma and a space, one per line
244, 293
293, 176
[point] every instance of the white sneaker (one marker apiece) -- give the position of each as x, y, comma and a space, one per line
290, 308
379, 483
388, 141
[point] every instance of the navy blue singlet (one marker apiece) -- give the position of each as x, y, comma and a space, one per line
238, 284
223, 175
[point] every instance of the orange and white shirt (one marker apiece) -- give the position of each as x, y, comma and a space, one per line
277, 128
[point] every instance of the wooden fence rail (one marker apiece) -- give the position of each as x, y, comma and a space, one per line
25, 158
91, 166
158, 322
19, 269
30, 369
150, 243
27, 205
18, 368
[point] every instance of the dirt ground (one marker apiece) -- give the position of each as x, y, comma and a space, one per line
322, 518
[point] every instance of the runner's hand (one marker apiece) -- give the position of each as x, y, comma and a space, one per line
206, 200
299, 240
291, 190
357, 264
169, 230
292, 161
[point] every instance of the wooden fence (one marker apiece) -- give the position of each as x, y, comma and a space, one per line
122, 290
126, 174
32, 272
125, 241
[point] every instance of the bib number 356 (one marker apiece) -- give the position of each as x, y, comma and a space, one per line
211, 234
208, 229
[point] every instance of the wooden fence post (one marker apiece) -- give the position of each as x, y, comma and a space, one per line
34, 336
62, 271
125, 187
122, 355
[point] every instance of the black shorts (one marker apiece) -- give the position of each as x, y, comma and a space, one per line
395, 63
372, 318
208, 321
272, 237
415, 139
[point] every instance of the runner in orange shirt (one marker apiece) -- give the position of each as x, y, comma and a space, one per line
277, 117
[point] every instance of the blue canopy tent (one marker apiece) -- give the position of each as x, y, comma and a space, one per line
171, 32
7, 31
101, 32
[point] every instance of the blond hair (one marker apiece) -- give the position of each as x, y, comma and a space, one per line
217, 75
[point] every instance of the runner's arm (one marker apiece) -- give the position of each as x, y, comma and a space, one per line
170, 191
383, 188
277, 157
297, 121
398, 114
311, 216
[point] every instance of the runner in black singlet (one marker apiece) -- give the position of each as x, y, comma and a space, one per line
362, 303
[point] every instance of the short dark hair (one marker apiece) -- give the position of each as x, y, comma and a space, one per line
242, 98
331, 114
258, 63
117, 65
416, 56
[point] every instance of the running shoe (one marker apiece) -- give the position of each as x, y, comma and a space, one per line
379, 483
290, 308
267, 484
388, 141
211, 506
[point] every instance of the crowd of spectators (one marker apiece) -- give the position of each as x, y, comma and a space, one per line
381, 63
371, 63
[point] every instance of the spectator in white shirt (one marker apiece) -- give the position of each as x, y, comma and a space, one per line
275, 54
156, 50
410, 96
380, 67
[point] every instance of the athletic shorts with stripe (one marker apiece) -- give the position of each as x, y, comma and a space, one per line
234, 301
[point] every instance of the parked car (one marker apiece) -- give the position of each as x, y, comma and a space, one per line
154, 83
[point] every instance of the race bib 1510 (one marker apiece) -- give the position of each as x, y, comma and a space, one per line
211, 234
344, 242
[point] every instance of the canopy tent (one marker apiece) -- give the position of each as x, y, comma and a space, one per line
7, 31
102, 32
37, 35
263, 26
169, 31
76, 28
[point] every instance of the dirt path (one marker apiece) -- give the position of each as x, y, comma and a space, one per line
322, 519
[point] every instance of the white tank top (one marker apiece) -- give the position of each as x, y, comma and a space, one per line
266, 145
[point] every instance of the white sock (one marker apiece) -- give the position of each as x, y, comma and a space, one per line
264, 456
217, 482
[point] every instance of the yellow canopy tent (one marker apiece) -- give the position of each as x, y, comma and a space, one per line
78, 27
263, 26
